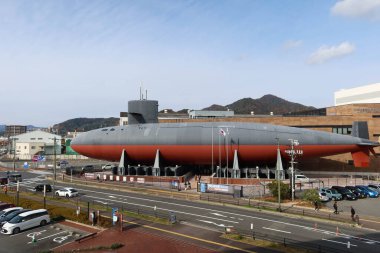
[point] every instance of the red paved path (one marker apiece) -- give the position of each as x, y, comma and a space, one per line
134, 240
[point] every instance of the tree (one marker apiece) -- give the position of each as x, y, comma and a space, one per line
284, 189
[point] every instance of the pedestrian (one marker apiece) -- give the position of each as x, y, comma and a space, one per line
316, 205
335, 207
352, 213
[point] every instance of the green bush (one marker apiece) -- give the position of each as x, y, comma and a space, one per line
311, 195
284, 189
116, 246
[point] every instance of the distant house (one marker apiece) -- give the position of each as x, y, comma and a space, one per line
36, 142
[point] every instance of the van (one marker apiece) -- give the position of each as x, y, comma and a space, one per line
26, 220
305, 179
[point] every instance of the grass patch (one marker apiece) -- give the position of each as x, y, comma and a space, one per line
263, 243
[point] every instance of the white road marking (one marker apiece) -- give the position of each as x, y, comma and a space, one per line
102, 202
175, 211
49, 236
35, 233
218, 214
277, 230
339, 242
229, 213
219, 225
61, 239
113, 197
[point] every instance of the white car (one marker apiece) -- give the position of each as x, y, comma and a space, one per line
323, 197
25, 221
67, 192
108, 167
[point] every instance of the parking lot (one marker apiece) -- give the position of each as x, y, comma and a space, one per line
42, 238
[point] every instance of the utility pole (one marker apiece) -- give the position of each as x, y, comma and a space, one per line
55, 164
14, 154
14, 148
292, 162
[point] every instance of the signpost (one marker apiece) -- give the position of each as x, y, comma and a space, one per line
114, 215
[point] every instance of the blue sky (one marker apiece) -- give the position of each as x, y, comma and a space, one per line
66, 59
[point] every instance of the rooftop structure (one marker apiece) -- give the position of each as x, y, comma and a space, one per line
359, 95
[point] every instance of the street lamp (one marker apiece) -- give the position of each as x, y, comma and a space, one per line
55, 163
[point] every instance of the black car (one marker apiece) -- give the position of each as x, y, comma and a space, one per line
359, 193
346, 193
40, 188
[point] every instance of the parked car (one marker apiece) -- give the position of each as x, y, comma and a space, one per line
67, 192
323, 197
374, 187
108, 167
359, 193
10, 216
331, 193
346, 193
26, 220
8, 211
371, 193
40, 188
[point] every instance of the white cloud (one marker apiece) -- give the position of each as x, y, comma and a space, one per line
357, 8
290, 44
326, 53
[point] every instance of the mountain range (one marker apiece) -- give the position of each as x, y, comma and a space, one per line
261, 106
264, 106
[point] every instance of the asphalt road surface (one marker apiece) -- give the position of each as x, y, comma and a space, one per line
326, 234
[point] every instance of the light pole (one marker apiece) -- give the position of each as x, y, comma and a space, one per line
220, 159
212, 150
55, 163
292, 162
227, 146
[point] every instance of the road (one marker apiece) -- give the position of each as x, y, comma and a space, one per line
219, 217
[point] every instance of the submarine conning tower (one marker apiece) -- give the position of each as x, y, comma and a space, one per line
142, 111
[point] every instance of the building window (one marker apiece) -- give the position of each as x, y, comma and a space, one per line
39, 138
24, 147
32, 139
342, 130
33, 147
